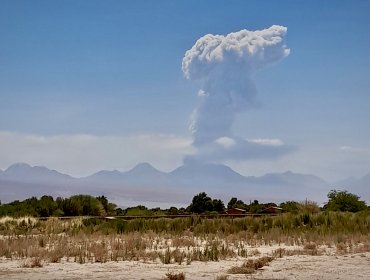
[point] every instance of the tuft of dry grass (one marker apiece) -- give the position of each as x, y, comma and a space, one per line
175, 276
251, 266
282, 252
362, 248
33, 263
342, 248
311, 249
241, 270
222, 277
279, 253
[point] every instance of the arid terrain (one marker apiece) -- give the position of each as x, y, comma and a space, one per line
321, 245
329, 265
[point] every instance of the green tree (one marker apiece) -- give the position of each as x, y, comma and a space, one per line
139, 210
201, 203
218, 205
120, 212
256, 207
173, 211
235, 203
104, 201
78, 205
290, 206
109, 208
344, 201
46, 206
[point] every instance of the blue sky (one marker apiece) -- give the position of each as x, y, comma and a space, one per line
97, 77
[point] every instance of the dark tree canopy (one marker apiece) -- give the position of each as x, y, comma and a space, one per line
86, 205
202, 203
218, 205
235, 203
46, 206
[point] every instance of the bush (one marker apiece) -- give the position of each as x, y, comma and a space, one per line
175, 276
202, 203
344, 201
251, 266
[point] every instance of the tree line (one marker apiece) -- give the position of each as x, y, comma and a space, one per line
86, 205
46, 206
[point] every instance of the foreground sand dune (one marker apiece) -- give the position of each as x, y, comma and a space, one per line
343, 267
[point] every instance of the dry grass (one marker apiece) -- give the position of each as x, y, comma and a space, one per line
311, 249
282, 252
32, 263
241, 270
96, 247
222, 277
82, 248
251, 266
74, 240
175, 276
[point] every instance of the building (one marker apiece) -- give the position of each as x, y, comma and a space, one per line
272, 210
235, 211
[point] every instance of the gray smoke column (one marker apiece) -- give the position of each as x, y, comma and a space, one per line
223, 67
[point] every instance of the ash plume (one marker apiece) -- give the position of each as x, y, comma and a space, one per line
223, 67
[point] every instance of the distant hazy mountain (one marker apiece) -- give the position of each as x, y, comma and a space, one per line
21, 181
345, 183
22, 172
144, 169
206, 174
145, 174
220, 179
144, 183
142, 174
292, 186
290, 178
361, 187
104, 176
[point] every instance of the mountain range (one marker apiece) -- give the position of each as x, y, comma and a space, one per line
146, 185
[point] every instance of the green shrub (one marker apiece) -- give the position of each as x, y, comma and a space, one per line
344, 201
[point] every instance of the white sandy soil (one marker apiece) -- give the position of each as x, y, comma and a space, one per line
343, 267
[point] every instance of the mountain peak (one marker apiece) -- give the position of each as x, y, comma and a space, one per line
18, 166
105, 175
207, 171
28, 173
205, 166
108, 172
143, 165
143, 168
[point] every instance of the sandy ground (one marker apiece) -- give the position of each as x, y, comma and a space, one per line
350, 266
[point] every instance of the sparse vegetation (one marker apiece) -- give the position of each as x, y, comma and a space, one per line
175, 276
32, 263
181, 240
222, 277
250, 266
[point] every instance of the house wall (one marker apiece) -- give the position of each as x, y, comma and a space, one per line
235, 211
